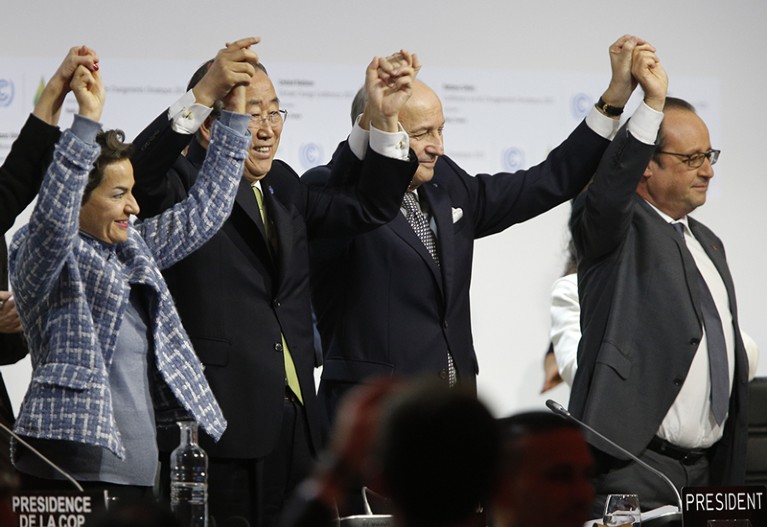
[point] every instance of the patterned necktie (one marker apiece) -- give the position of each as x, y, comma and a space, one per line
291, 375
418, 222
717, 349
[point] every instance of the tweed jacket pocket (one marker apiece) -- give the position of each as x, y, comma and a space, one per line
65, 375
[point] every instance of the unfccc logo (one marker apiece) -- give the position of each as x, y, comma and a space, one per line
6, 92
311, 154
513, 159
580, 105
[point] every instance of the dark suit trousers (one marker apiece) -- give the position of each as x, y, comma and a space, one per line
615, 476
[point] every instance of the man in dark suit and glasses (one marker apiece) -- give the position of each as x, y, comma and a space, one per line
662, 368
244, 296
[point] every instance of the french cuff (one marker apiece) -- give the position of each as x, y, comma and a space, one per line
390, 144
645, 123
359, 139
601, 124
187, 115
236, 121
85, 129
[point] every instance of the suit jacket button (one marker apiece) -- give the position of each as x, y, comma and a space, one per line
278, 347
694, 341
678, 381
276, 303
443, 374
444, 324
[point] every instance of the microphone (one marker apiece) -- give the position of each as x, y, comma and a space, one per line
562, 412
366, 501
368, 519
41, 456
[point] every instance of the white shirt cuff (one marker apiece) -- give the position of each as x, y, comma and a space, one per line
645, 123
395, 145
359, 139
390, 144
601, 124
187, 115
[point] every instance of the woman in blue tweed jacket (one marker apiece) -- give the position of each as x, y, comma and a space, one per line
110, 357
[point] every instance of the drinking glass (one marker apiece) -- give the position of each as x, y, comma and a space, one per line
622, 510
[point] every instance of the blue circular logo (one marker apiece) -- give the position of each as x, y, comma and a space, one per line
6, 92
580, 105
512, 159
310, 155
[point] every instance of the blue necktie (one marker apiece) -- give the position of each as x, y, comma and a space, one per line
717, 349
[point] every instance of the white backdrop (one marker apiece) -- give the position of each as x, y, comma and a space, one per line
513, 78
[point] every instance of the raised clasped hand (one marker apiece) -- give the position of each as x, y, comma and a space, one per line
48, 106
622, 83
389, 84
233, 66
89, 92
648, 71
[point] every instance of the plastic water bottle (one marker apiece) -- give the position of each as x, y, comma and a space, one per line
189, 479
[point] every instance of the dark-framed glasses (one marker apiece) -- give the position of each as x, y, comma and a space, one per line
696, 160
275, 118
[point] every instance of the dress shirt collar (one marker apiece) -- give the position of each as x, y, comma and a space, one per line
669, 219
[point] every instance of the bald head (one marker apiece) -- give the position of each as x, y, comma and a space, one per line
423, 120
423, 98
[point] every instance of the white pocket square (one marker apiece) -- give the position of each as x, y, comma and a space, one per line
457, 214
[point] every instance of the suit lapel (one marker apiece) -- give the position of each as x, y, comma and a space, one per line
442, 212
689, 267
246, 200
404, 230
715, 252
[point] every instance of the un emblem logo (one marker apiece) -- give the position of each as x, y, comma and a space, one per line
6, 92
580, 105
310, 155
512, 159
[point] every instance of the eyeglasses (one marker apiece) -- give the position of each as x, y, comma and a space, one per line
696, 160
272, 118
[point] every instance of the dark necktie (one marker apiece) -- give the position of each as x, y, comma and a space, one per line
717, 349
418, 222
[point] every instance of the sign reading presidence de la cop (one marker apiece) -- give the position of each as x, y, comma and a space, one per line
57, 509
706, 506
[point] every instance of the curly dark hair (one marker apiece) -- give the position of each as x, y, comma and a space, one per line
113, 149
